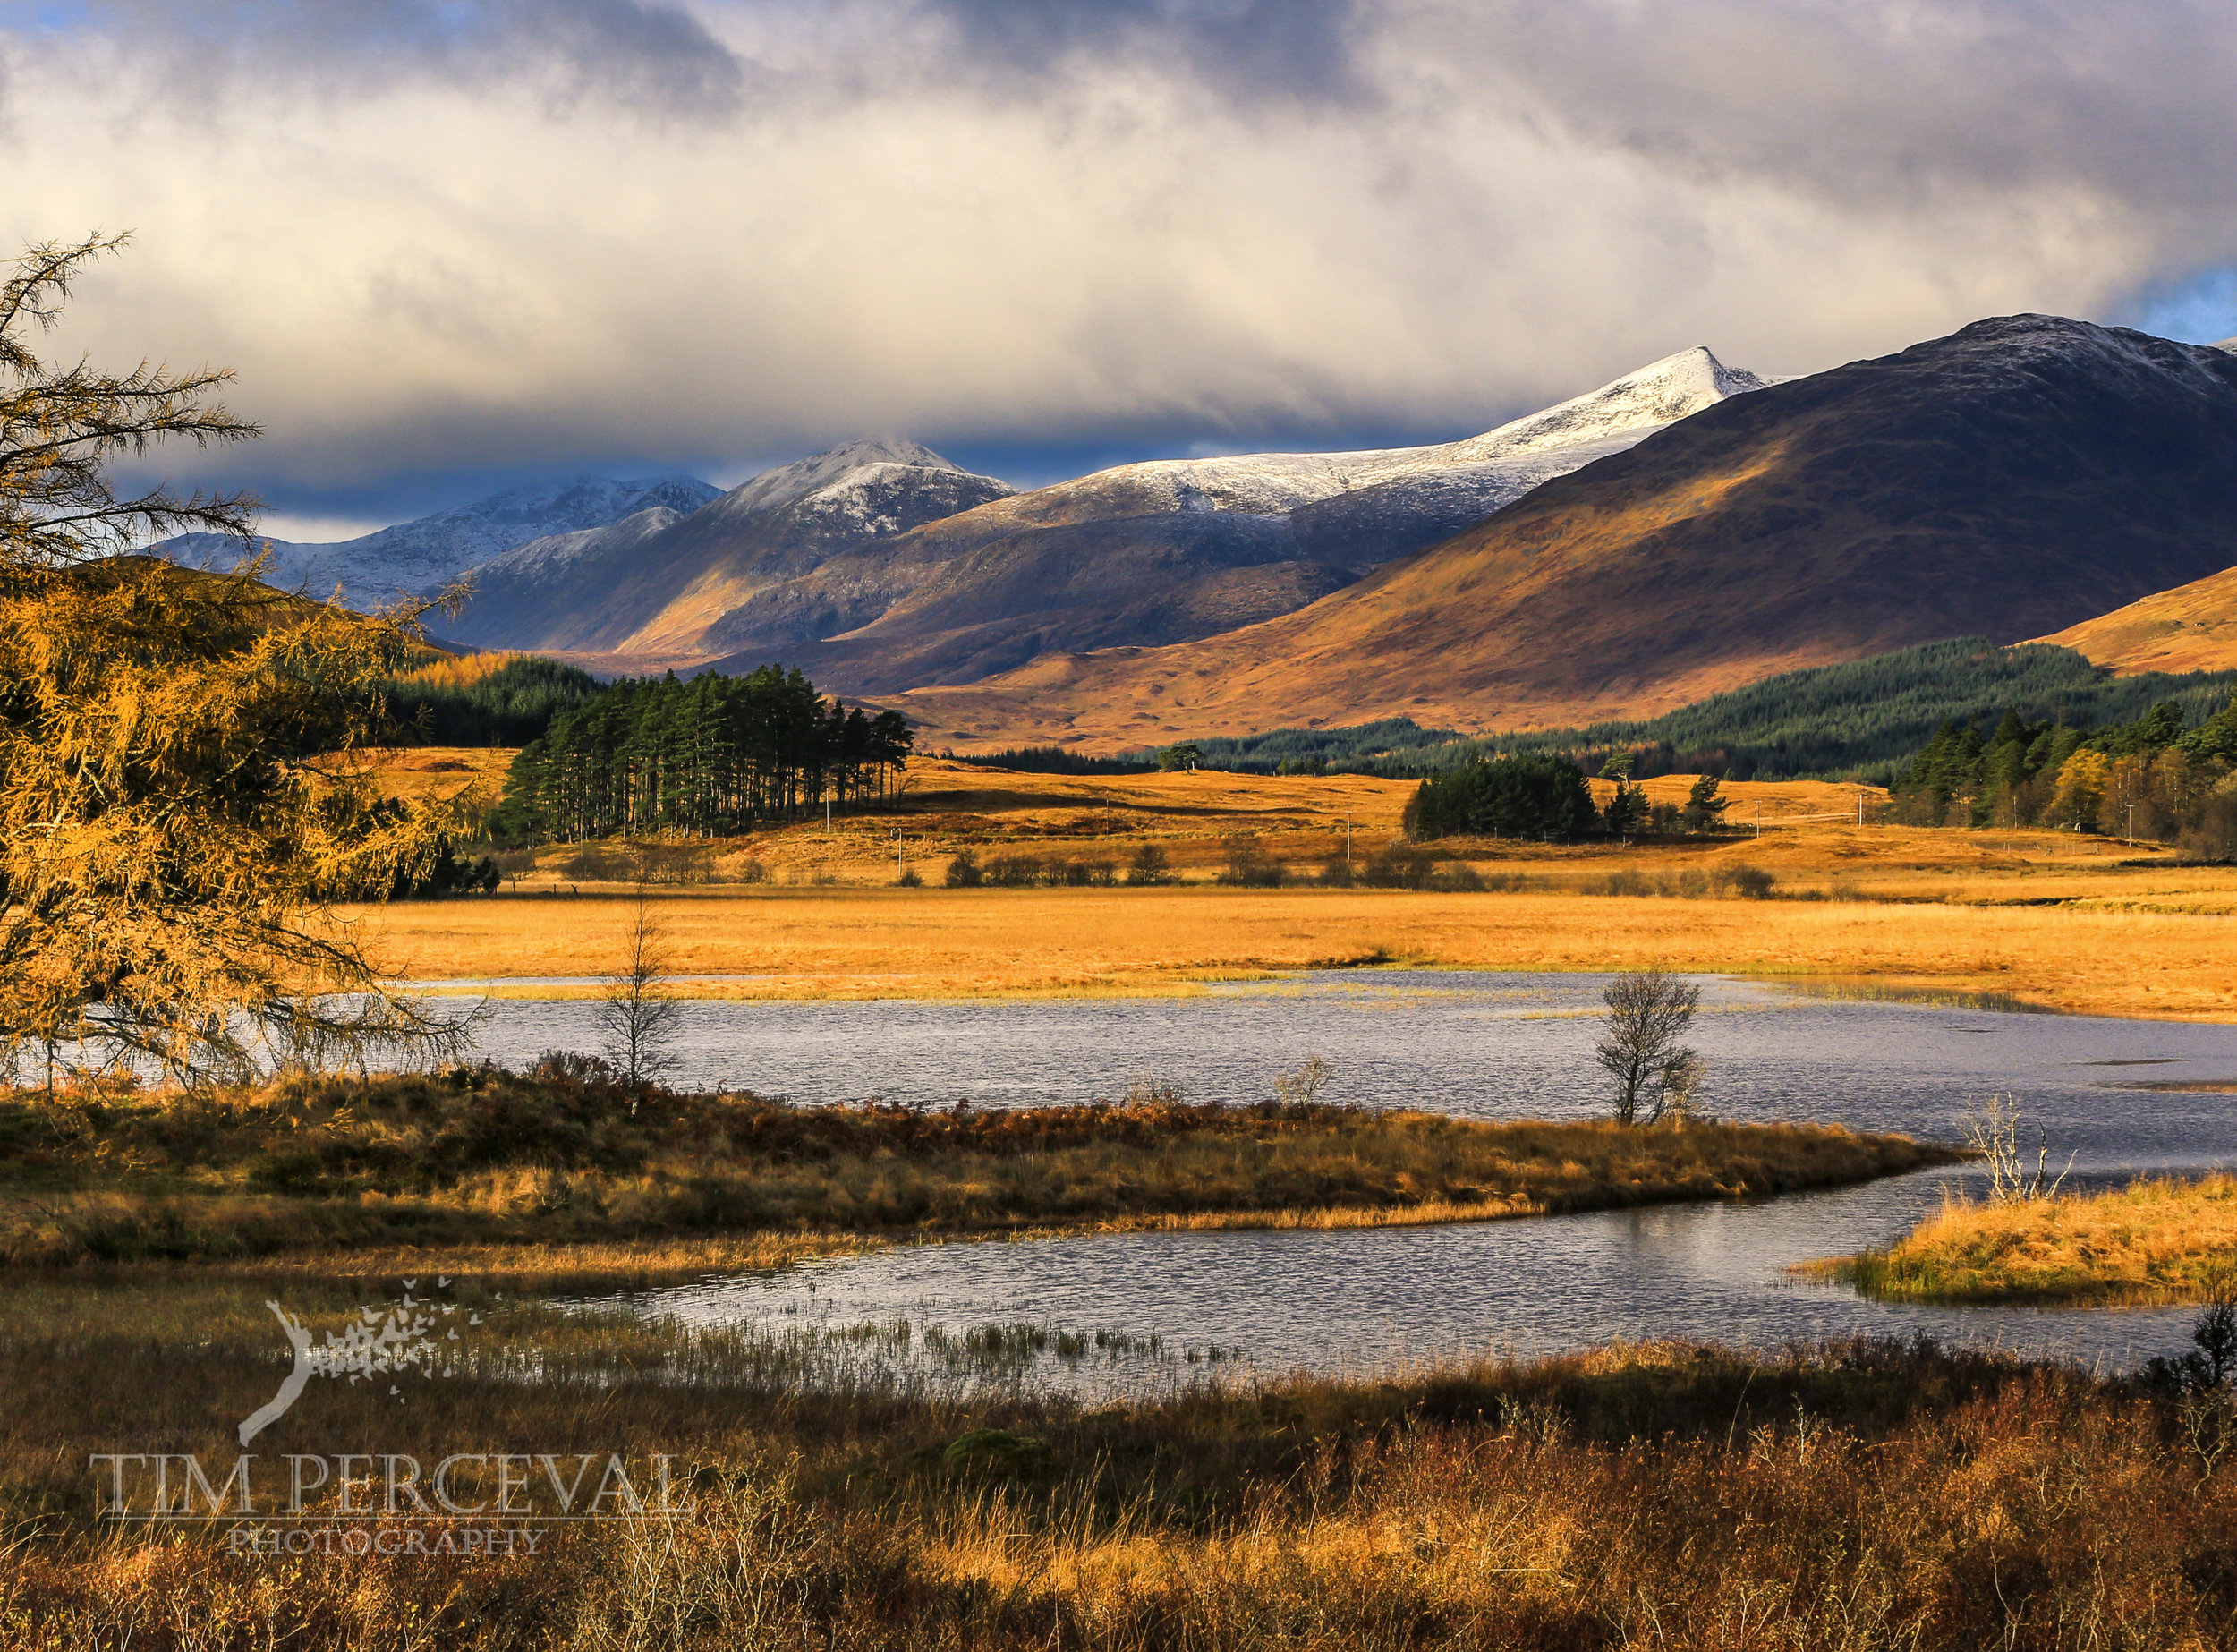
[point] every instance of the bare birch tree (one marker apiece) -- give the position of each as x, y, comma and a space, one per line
637, 1020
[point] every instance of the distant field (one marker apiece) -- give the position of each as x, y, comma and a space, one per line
2072, 924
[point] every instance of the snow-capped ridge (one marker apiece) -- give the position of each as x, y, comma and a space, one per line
557, 551
1658, 394
804, 479
1520, 453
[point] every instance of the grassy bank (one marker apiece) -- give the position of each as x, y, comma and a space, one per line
1848, 1497
2157, 1240
567, 1157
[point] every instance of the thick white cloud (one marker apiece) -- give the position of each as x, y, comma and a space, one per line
447, 237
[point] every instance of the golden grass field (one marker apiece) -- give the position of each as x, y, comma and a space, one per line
2157, 1240
2080, 924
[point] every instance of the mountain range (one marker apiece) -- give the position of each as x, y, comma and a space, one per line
419, 556
2020, 476
1682, 531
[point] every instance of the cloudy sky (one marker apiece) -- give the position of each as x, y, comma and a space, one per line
450, 244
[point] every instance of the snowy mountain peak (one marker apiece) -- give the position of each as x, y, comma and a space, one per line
1659, 393
788, 484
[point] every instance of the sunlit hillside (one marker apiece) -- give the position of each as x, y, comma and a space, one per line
2192, 627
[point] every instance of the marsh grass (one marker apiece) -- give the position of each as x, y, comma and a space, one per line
1845, 1497
569, 1157
2159, 1239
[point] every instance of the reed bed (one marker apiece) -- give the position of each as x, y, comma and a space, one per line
2160, 1240
1851, 1496
618, 1176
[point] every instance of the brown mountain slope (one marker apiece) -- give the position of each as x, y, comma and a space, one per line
2016, 477
2192, 628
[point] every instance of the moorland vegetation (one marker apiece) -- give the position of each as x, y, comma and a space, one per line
921, 1491
1863, 720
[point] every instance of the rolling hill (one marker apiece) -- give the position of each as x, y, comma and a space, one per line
2016, 477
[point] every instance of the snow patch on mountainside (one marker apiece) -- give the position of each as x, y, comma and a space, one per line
556, 551
1524, 452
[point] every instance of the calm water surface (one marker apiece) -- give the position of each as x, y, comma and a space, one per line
1480, 1045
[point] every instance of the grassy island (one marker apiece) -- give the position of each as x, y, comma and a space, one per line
2157, 1240
566, 1157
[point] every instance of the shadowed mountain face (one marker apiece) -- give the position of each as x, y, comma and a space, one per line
2011, 479
655, 582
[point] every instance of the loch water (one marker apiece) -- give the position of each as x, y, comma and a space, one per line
1477, 1045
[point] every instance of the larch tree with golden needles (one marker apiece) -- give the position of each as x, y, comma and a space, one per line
180, 793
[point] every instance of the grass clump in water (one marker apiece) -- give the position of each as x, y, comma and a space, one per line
2158, 1241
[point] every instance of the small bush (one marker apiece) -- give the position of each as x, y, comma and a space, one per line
908, 880
594, 864
1337, 874
1012, 872
1399, 866
1249, 864
1149, 867
964, 872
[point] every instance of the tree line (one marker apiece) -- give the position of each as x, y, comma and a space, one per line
482, 699
712, 756
2155, 776
1542, 796
1862, 719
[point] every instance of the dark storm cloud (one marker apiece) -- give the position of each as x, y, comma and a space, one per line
654, 57
1879, 102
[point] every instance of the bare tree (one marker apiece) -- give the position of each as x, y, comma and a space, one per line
1301, 1085
1648, 1011
1993, 1130
636, 1022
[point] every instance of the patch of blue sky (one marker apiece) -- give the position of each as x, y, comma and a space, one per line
44, 16
2198, 309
